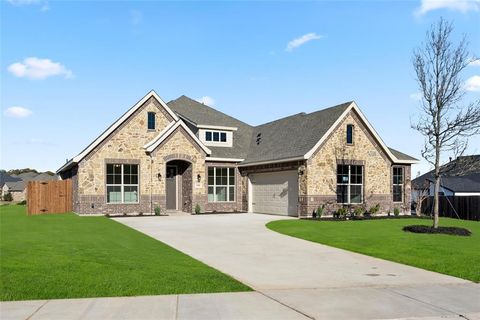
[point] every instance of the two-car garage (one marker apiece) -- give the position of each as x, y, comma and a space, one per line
274, 192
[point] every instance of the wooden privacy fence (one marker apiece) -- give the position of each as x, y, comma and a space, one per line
49, 196
467, 208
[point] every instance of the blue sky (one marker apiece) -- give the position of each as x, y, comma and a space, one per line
72, 68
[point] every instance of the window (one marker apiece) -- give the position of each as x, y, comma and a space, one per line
151, 121
349, 184
349, 133
216, 136
122, 183
221, 184
397, 184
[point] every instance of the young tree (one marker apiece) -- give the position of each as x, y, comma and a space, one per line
445, 122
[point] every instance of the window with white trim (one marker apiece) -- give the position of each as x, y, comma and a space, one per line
215, 136
349, 133
122, 183
151, 121
221, 184
349, 184
397, 184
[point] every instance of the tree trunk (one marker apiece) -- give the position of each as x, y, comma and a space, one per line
436, 203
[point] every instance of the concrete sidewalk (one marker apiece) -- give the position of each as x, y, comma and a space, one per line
294, 279
434, 302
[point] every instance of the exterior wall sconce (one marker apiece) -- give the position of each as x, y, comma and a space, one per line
301, 170
199, 178
159, 176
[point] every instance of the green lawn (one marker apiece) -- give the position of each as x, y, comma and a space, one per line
452, 255
66, 256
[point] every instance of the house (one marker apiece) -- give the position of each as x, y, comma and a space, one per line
182, 153
461, 178
12, 185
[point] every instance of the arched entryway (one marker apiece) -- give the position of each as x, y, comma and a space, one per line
178, 185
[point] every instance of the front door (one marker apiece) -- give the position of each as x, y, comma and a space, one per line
171, 187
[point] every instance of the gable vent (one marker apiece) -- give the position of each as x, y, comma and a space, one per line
259, 138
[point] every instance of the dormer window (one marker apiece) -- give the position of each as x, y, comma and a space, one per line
215, 136
151, 121
349, 133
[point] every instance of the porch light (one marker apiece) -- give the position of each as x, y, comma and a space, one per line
199, 178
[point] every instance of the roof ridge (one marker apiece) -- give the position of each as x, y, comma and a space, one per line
307, 114
207, 106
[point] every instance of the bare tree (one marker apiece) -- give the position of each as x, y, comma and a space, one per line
445, 123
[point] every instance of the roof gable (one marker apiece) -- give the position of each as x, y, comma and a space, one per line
152, 94
151, 146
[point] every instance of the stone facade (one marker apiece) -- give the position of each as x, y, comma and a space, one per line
317, 176
125, 145
321, 170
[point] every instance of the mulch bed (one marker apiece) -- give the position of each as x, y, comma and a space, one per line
455, 231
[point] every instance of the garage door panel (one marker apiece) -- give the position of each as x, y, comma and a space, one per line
275, 193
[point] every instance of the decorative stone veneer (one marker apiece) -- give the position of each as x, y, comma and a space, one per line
180, 146
322, 168
125, 145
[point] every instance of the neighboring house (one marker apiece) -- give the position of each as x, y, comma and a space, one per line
16, 189
179, 154
17, 184
9, 184
461, 179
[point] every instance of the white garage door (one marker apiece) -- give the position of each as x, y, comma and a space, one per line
275, 193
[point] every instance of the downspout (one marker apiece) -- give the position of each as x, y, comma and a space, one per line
151, 182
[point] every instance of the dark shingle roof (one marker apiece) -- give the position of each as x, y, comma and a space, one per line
292, 136
286, 138
463, 176
401, 155
15, 185
198, 113
5, 177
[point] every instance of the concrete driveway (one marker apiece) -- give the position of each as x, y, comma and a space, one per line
315, 280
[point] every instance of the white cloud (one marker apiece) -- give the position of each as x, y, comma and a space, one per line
473, 84
462, 6
209, 101
17, 112
297, 42
416, 96
35, 68
44, 3
474, 63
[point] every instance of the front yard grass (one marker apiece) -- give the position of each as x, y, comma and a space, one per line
453, 255
66, 256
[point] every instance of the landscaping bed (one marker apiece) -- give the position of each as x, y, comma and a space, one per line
56, 256
455, 231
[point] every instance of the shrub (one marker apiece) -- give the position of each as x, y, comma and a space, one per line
396, 212
157, 210
320, 211
359, 211
342, 212
374, 209
7, 197
23, 203
198, 209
